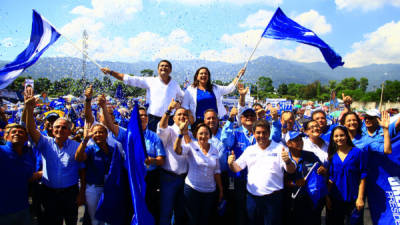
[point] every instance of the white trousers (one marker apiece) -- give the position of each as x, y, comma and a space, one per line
93, 195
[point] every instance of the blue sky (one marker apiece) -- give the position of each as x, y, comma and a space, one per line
361, 31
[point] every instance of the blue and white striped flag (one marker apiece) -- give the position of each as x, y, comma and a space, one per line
42, 36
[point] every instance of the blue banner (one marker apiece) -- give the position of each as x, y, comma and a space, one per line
383, 185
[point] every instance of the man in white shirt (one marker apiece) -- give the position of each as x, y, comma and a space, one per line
174, 170
159, 90
266, 161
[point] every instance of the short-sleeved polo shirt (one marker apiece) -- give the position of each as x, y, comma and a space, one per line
97, 164
265, 168
60, 169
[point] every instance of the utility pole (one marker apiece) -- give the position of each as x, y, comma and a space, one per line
85, 37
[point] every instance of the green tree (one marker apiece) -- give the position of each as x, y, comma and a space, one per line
147, 73
264, 87
42, 84
363, 84
283, 89
350, 83
332, 85
18, 84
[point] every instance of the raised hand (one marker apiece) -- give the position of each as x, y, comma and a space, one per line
87, 131
347, 100
274, 113
384, 121
233, 113
322, 170
242, 91
105, 70
285, 156
173, 105
241, 72
89, 92
101, 100
183, 127
231, 158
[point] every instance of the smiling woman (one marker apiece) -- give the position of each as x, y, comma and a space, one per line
203, 95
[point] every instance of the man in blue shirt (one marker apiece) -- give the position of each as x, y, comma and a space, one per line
155, 151
61, 193
17, 163
238, 140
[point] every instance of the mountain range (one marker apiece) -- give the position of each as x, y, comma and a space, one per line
280, 71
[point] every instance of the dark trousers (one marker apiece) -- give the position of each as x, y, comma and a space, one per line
153, 121
265, 210
199, 206
301, 210
236, 204
60, 204
171, 198
344, 213
37, 212
153, 193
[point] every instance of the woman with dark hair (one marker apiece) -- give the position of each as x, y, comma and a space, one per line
353, 124
314, 143
204, 174
347, 177
203, 95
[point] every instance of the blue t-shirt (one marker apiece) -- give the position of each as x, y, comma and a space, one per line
346, 175
16, 170
205, 100
97, 164
154, 146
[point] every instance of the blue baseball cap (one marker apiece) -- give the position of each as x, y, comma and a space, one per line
295, 134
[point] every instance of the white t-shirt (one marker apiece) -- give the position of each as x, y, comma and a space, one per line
158, 94
173, 162
265, 168
321, 153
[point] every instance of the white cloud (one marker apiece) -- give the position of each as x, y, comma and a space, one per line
365, 5
311, 19
144, 46
314, 21
76, 27
6, 42
380, 46
162, 13
258, 19
236, 2
117, 9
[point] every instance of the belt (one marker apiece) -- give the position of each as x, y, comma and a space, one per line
173, 174
273, 193
61, 190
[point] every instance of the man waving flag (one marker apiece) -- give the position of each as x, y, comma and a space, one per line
283, 28
42, 36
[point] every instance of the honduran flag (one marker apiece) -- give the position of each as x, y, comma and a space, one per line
42, 36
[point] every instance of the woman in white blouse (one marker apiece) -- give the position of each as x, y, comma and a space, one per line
203, 95
204, 175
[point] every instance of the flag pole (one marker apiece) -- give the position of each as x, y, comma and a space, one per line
71, 42
380, 103
245, 65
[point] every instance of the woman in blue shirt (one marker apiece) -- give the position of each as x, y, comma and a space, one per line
97, 160
346, 184
363, 141
203, 95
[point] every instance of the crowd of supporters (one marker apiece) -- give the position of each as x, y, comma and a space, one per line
205, 164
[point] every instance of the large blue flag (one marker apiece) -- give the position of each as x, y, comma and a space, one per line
383, 185
114, 205
283, 28
135, 155
42, 36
